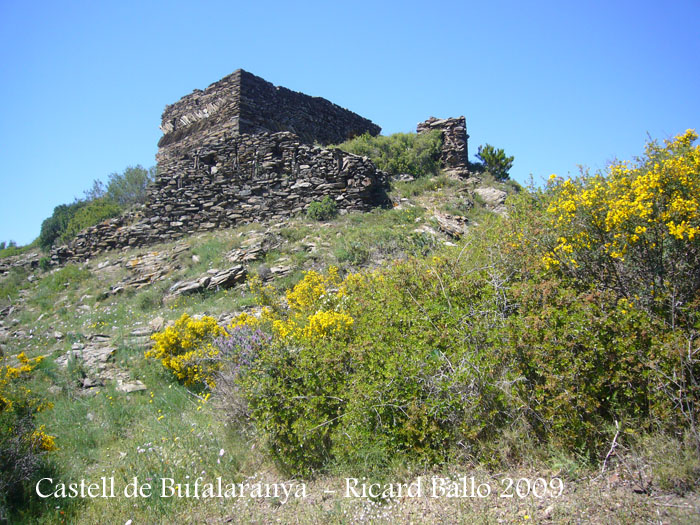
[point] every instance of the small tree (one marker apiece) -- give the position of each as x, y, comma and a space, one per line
97, 191
495, 161
129, 187
53, 227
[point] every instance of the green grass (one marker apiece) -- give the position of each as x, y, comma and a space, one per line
423, 185
19, 250
166, 431
12, 284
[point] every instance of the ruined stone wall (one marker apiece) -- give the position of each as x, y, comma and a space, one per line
241, 151
244, 103
224, 181
264, 107
455, 155
217, 107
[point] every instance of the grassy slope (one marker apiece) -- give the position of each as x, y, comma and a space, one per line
168, 431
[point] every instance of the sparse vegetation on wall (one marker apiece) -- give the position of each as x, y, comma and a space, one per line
322, 210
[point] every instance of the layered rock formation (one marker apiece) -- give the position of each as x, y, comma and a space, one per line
455, 155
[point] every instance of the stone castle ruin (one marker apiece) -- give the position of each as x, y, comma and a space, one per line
244, 150
454, 156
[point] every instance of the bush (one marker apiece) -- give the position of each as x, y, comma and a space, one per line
355, 365
187, 350
11, 248
55, 226
92, 213
123, 190
69, 219
129, 187
239, 350
584, 360
636, 229
417, 154
45, 264
22, 445
323, 210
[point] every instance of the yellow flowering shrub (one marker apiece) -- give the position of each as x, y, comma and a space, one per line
41, 440
22, 444
636, 228
10, 390
187, 349
315, 309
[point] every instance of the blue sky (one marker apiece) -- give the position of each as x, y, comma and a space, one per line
556, 84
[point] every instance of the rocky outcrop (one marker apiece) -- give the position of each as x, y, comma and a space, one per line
455, 155
28, 260
212, 280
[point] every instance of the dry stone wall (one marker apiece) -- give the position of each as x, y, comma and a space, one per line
455, 155
244, 103
223, 180
241, 151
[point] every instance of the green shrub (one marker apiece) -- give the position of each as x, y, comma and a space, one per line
93, 212
55, 226
417, 154
423, 184
129, 187
12, 249
123, 190
45, 263
495, 161
186, 349
357, 365
23, 446
323, 210
585, 360
352, 252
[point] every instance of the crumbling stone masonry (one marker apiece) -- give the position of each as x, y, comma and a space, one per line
241, 151
455, 155
243, 103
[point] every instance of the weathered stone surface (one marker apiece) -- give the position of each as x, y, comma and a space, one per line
156, 325
243, 103
241, 151
94, 357
214, 280
129, 387
492, 197
143, 269
453, 225
455, 154
25, 260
